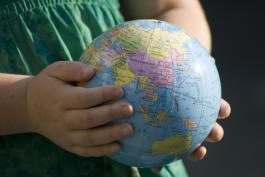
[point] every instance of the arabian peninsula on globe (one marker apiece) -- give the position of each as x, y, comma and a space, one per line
170, 80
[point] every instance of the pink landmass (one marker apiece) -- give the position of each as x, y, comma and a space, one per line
158, 72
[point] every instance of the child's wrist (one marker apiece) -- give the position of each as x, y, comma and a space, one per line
28, 124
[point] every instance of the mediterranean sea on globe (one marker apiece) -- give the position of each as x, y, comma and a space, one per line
170, 80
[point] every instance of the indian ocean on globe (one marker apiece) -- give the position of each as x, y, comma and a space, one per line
170, 80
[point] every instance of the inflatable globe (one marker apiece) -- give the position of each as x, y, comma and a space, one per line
170, 80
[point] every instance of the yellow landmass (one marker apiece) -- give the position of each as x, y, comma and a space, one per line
147, 88
110, 56
144, 111
146, 117
176, 145
189, 123
158, 44
154, 124
91, 57
161, 43
161, 115
85, 57
114, 33
105, 42
123, 73
130, 39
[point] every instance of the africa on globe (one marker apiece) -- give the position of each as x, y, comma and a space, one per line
170, 80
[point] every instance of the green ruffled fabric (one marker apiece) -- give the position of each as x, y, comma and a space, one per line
34, 34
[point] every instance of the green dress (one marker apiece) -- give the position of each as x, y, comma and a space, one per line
33, 34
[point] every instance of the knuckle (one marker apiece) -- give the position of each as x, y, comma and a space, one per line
104, 93
88, 140
92, 141
89, 121
73, 139
114, 148
112, 111
58, 101
114, 134
58, 65
101, 151
68, 124
80, 71
111, 149
83, 118
80, 139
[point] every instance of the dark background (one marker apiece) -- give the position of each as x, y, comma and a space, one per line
238, 30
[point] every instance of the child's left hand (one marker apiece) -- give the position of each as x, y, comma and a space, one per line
216, 135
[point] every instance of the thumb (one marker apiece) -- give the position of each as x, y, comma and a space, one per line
69, 71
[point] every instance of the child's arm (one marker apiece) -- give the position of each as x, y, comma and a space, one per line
13, 109
73, 117
187, 14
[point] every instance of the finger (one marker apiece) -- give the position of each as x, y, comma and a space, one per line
101, 135
217, 133
69, 71
198, 154
96, 151
93, 117
225, 110
79, 97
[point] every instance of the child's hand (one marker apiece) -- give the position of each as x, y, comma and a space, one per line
74, 117
216, 135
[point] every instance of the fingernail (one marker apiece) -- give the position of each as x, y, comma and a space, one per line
87, 72
118, 92
90, 70
126, 109
115, 148
198, 154
126, 130
224, 110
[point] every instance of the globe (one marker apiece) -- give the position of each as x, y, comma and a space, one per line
170, 80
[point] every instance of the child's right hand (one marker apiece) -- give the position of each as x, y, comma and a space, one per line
75, 118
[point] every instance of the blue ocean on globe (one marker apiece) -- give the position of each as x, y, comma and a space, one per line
171, 81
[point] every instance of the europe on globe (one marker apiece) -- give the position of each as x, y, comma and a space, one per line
170, 80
